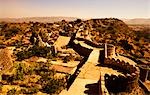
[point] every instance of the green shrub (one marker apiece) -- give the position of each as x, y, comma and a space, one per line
1, 86
20, 69
12, 92
49, 83
53, 86
31, 90
67, 59
33, 51
11, 32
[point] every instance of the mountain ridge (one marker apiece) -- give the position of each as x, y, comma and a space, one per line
38, 19
52, 19
137, 21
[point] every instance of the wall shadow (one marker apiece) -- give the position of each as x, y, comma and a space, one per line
73, 77
92, 89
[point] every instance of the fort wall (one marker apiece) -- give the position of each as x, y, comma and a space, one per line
109, 50
144, 73
83, 51
121, 83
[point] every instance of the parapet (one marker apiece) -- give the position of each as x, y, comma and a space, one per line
121, 83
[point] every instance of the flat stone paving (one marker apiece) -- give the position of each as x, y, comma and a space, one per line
62, 41
63, 69
89, 75
87, 79
147, 84
90, 71
84, 87
68, 64
94, 56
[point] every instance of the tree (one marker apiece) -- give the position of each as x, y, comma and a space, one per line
125, 45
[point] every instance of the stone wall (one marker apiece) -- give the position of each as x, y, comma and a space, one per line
121, 83
83, 51
148, 78
97, 45
144, 72
123, 66
109, 50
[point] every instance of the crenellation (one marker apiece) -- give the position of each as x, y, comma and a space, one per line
129, 81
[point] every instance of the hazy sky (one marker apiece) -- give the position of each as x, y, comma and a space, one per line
75, 8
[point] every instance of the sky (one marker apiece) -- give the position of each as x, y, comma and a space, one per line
75, 8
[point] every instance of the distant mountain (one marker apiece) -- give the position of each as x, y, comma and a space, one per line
38, 19
59, 18
137, 21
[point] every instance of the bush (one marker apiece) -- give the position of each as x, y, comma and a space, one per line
12, 92
31, 90
11, 32
49, 83
43, 70
53, 86
8, 78
1, 86
125, 45
19, 72
67, 59
34, 51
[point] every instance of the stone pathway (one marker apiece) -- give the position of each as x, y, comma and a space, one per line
89, 76
94, 56
86, 82
62, 41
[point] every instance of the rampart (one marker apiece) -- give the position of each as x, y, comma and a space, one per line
121, 83
110, 50
83, 51
96, 45
124, 82
144, 72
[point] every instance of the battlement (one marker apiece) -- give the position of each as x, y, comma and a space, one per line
122, 65
125, 82
119, 83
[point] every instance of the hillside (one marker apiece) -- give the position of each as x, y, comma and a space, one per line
42, 65
129, 41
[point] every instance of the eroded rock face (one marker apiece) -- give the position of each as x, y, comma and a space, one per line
37, 40
40, 43
5, 60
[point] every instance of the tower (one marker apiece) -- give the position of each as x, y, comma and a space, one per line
109, 50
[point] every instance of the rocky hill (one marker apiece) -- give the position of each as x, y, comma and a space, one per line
35, 54
130, 42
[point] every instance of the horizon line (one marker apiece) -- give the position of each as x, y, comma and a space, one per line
70, 17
